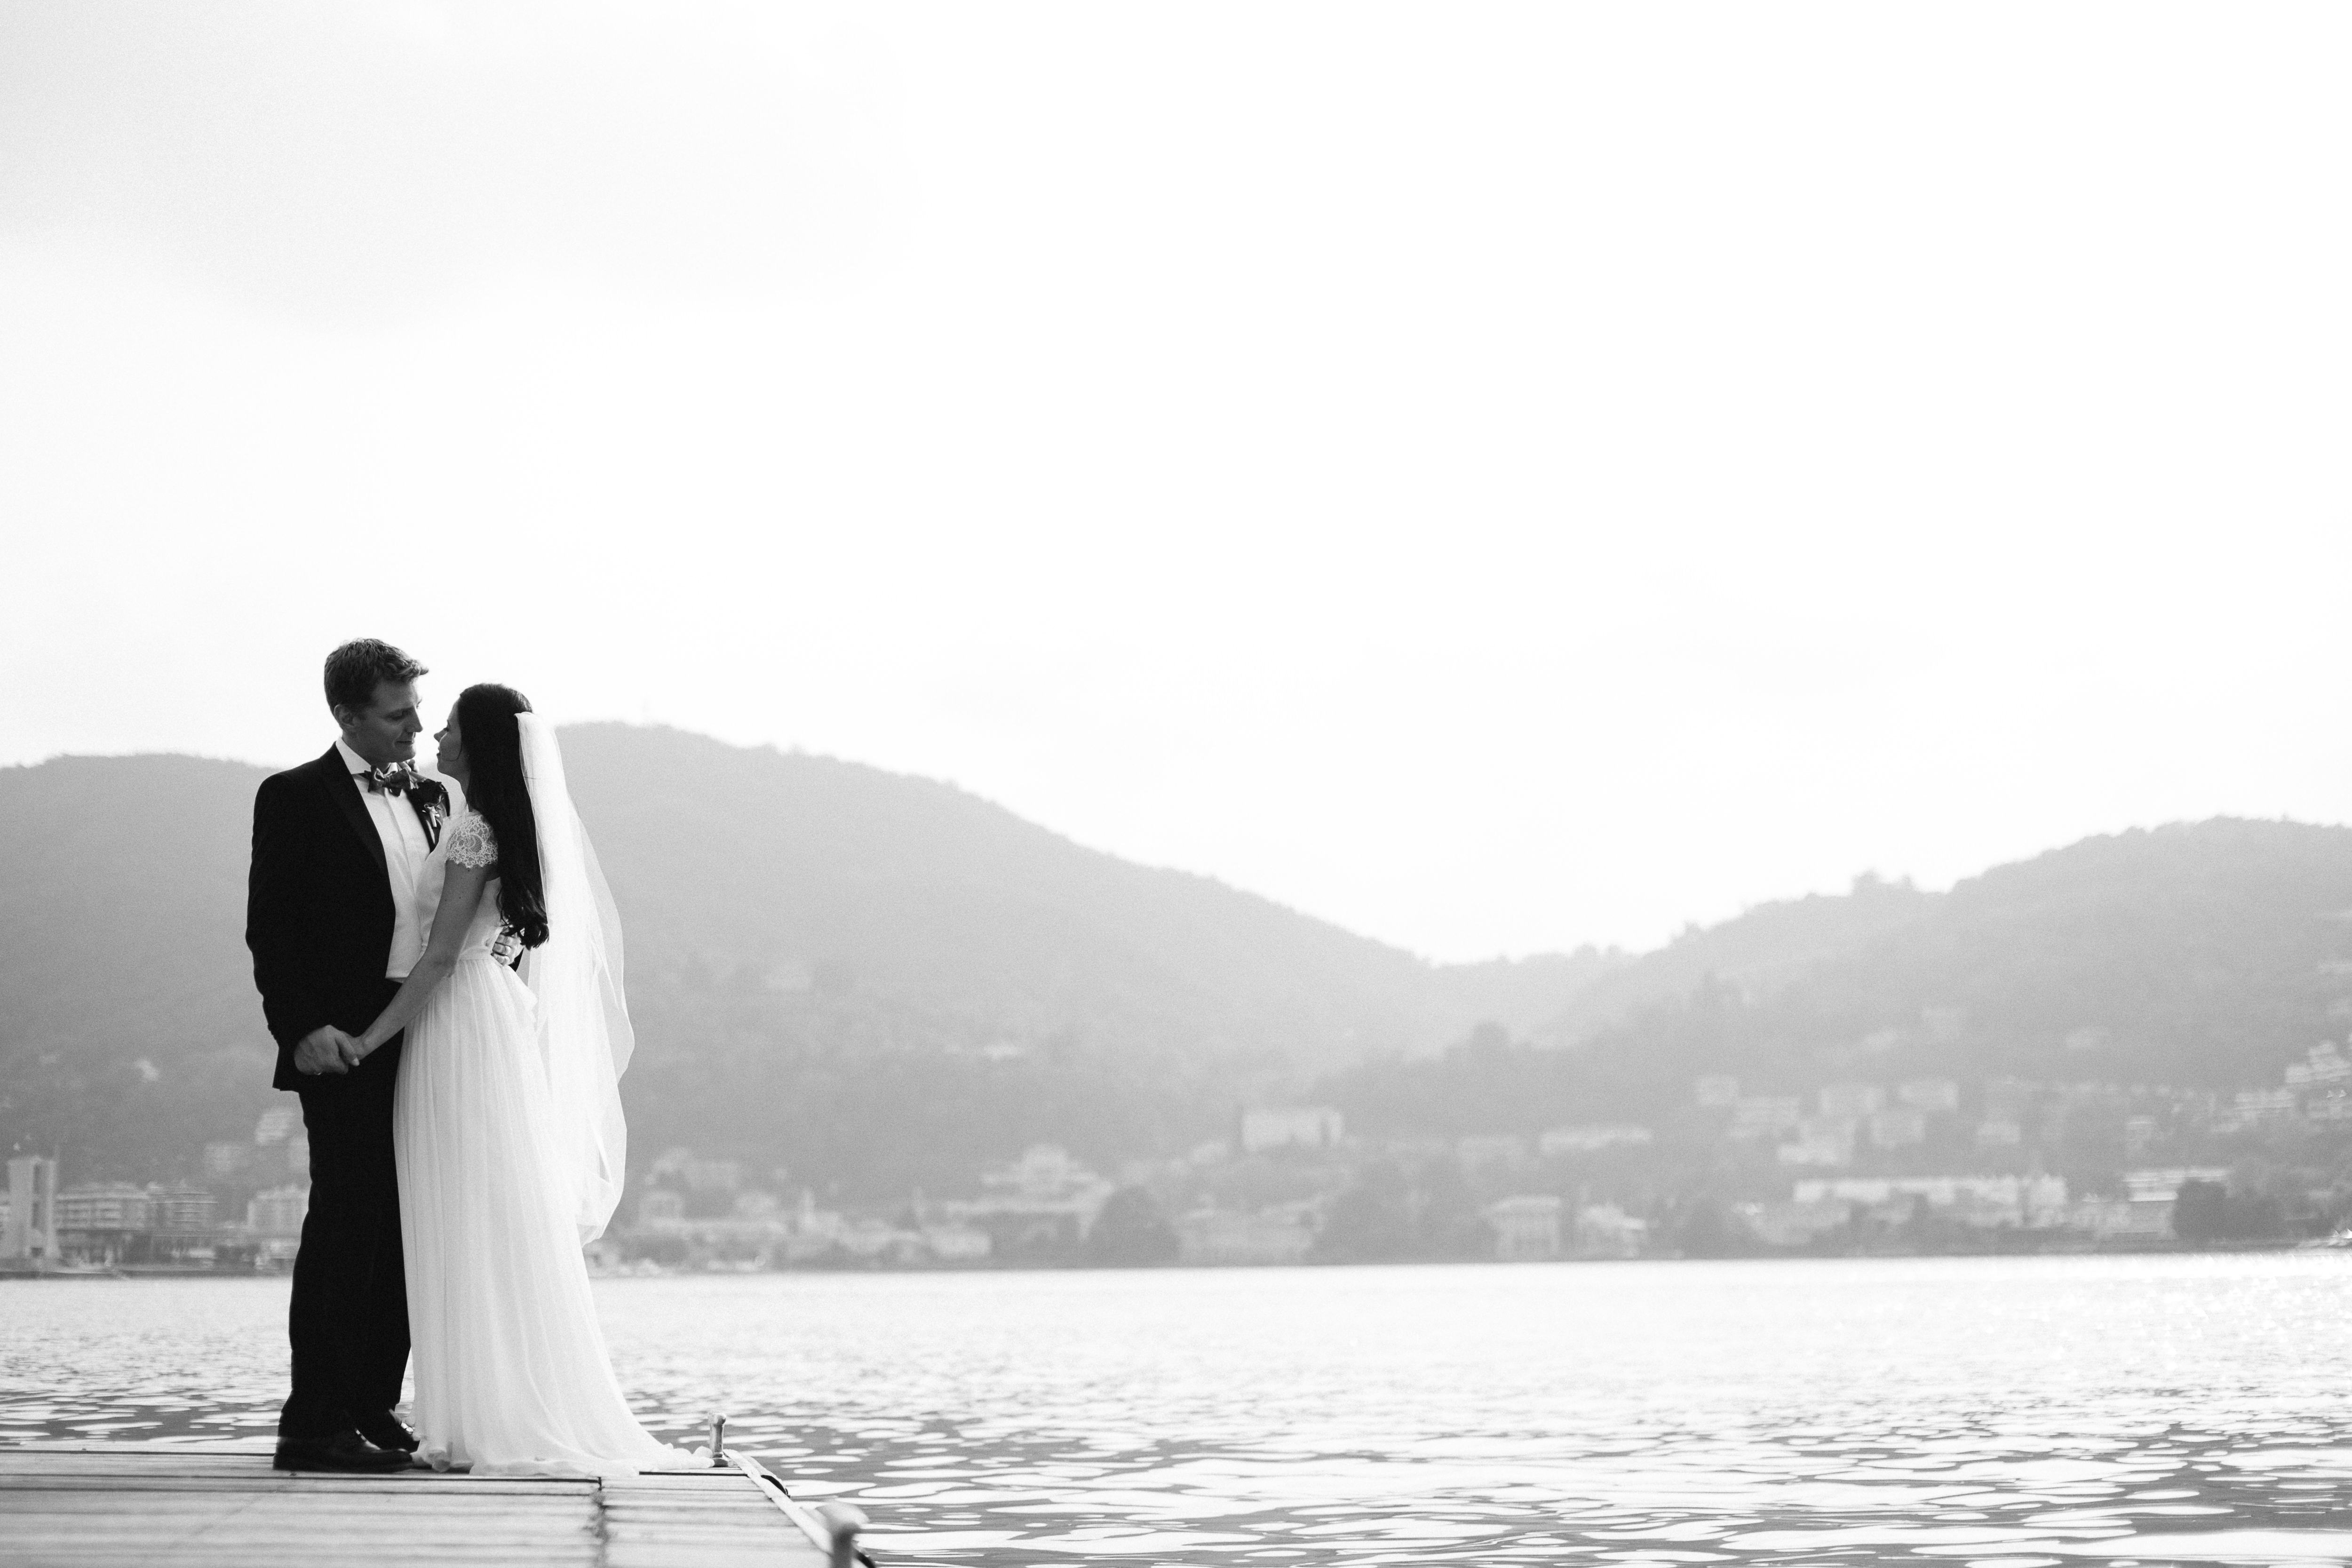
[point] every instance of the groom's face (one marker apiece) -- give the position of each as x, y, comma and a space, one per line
385, 730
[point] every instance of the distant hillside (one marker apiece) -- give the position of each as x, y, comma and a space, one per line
799, 870
880, 983
127, 1011
2193, 953
879, 979
1759, 953
2204, 956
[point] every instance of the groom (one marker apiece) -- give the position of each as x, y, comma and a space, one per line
338, 847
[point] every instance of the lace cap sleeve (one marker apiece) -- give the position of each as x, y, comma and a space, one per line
470, 842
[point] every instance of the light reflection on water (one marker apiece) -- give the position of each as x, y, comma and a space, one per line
2005, 1413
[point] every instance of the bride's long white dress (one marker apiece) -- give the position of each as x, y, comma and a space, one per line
511, 1370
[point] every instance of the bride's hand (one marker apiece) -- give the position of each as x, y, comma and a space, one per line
325, 1049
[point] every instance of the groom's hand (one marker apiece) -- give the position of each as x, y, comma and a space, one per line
321, 1051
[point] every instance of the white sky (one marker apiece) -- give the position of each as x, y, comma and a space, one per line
1496, 476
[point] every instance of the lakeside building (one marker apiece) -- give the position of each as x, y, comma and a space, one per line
276, 1214
956, 1243
1527, 1229
277, 1155
2162, 1183
182, 1207
1604, 1230
1821, 1141
2262, 1104
28, 1234
117, 1224
1291, 1127
2323, 1063
758, 1230
113, 1223
2030, 1203
1819, 1205
879, 1241
104, 1207
1043, 1204
1792, 1224
2027, 1202
2148, 1219
762, 1232
1214, 1237
273, 1222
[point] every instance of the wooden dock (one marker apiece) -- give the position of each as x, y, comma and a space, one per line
97, 1505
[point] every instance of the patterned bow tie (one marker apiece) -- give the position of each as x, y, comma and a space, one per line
393, 778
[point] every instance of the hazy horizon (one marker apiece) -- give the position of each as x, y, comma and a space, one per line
1496, 480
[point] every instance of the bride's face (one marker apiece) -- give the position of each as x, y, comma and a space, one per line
450, 758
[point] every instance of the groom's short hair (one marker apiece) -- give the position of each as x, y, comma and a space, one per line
355, 669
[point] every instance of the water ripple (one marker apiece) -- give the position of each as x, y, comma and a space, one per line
2003, 1413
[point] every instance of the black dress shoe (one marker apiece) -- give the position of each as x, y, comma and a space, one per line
387, 1431
345, 1451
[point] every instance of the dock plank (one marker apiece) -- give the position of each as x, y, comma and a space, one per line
132, 1506
116, 1486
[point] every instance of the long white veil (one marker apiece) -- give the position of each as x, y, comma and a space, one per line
585, 1035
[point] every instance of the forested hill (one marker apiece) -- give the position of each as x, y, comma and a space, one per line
2204, 953
790, 869
2204, 956
2199, 954
822, 954
884, 983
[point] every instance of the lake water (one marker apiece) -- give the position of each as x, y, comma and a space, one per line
2011, 1412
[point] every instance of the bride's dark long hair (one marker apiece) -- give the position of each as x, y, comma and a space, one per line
495, 787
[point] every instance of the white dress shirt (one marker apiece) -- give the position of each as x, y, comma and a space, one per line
406, 856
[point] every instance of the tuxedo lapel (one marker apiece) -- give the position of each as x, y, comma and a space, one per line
428, 816
346, 795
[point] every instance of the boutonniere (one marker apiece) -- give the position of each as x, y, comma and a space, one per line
430, 798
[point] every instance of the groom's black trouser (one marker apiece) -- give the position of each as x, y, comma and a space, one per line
349, 1319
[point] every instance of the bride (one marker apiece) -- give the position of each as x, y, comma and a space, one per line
507, 1117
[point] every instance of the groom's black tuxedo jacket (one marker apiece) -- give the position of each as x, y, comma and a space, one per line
318, 910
